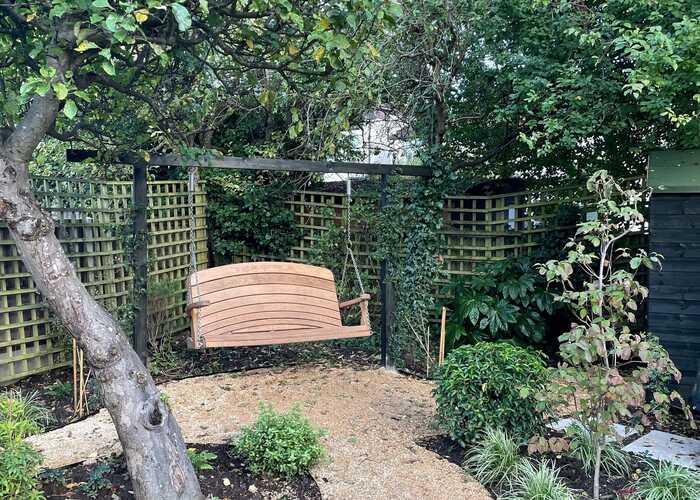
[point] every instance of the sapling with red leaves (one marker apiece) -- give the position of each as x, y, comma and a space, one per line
606, 366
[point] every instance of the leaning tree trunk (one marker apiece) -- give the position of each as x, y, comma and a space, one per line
153, 445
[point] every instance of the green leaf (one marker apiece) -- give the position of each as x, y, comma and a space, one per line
108, 68
60, 90
182, 16
70, 109
101, 4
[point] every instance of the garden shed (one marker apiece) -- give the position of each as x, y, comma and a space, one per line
674, 292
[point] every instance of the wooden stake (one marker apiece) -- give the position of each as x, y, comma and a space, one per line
441, 357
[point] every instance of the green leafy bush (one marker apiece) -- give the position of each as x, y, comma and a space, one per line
279, 444
19, 467
507, 300
667, 482
493, 385
495, 459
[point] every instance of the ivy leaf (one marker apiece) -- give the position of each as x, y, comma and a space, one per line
141, 15
318, 54
101, 4
182, 16
85, 45
108, 68
70, 109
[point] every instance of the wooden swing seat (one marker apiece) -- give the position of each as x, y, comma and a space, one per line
264, 303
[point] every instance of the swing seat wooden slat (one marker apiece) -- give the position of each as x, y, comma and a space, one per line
264, 303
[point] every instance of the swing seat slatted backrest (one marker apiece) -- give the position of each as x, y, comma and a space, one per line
262, 303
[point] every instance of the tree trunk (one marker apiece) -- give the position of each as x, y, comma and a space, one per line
153, 444
596, 472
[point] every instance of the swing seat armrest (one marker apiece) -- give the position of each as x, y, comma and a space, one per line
348, 303
196, 305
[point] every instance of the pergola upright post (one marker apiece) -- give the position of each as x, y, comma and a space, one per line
386, 292
140, 283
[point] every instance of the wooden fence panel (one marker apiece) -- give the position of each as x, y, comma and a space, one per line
92, 221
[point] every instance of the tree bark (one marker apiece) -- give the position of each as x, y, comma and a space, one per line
153, 445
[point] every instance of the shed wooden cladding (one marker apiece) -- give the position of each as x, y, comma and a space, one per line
262, 303
674, 292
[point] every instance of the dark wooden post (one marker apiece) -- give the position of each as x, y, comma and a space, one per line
386, 292
140, 203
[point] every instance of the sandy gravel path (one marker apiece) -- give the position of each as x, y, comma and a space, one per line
372, 417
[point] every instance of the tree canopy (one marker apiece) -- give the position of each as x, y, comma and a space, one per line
547, 86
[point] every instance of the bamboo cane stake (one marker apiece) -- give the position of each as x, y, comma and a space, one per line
441, 357
82, 381
75, 377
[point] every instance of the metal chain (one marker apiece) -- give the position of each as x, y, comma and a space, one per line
348, 247
192, 178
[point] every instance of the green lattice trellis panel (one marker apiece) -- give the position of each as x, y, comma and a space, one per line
91, 221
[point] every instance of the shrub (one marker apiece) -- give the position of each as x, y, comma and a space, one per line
582, 447
539, 481
495, 459
279, 444
19, 467
490, 385
507, 300
667, 482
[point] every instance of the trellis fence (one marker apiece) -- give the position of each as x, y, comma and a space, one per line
93, 223
477, 228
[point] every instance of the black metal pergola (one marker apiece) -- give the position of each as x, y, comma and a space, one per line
140, 202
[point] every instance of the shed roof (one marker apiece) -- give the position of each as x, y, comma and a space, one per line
675, 171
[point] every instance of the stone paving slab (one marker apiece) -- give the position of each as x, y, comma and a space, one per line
621, 431
659, 445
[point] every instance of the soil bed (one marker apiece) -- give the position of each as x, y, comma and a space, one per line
571, 471
228, 479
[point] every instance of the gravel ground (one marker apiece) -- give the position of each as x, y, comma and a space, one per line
373, 419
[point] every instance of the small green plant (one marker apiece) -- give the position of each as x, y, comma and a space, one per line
165, 398
19, 468
539, 481
493, 385
57, 476
21, 415
495, 459
279, 444
59, 390
200, 459
613, 460
97, 480
667, 481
